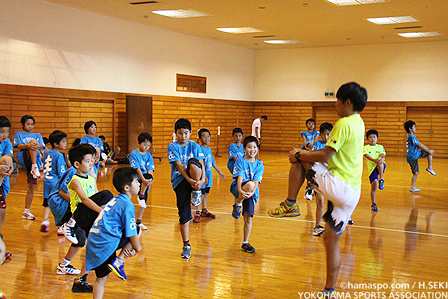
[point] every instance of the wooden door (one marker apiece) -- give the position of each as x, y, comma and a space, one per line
138, 118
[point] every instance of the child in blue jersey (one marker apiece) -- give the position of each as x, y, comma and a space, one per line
236, 149
309, 136
209, 164
54, 168
141, 159
30, 144
114, 229
415, 151
6, 169
96, 142
187, 177
247, 175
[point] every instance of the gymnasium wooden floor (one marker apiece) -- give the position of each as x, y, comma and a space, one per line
405, 242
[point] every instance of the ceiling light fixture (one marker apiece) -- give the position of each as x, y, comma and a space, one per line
354, 2
239, 30
282, 42
392, 20
180, 13
419, 34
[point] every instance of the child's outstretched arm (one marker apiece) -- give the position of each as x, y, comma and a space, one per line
221, 174
76, 186
135, 241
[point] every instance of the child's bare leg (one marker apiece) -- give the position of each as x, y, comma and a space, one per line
373, 188
295, 180
195, 172
2, 251
248, 187
185, 231
333, 254
46, 213
6, 161
33, 156
380, 171
429, 157
319, 208
127, 246
140, 213
98, 289
247, 226
29, 195
414, 180
72, 251
204, 201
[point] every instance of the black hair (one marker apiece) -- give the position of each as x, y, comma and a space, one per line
142, 137
46, 140
88, 124
355, 93
102, 137
56, 137
182, 123
124, 176
408, 125
76, 142
250, 139
77, 153
4, 122
310, 120
325, 127
264, 117
370, 132
25, 118
237, 130
202, 131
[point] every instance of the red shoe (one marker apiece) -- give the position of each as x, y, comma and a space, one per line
207, 214
44, 227
197, 218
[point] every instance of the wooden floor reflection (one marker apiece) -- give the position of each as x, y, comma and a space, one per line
405, 242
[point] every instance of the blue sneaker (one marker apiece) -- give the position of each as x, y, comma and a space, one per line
186, 251
196, 198
374, 207
381, 184
246, 247
118, 268
236, 212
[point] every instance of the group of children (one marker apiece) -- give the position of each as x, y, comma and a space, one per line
105, 223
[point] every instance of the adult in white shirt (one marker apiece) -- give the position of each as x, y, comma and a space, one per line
256, 127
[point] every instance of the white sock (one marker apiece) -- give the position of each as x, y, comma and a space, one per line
46, 221
65, 262
71, 222
240, 204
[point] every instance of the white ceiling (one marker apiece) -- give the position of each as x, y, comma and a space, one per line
317, 23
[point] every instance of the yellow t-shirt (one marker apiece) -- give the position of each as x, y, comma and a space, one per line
374, 152
347, 139
87, 184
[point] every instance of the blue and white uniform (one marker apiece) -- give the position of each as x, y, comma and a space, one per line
25, 138
96, 142
235, 151
54, 168
6, 149
177, 152
209, 161
57, 204
249, 171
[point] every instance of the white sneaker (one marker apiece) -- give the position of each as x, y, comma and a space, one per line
35, 172
60, 232
318, 230
196, 198
143, 227
69, 269
69, 233
142, 203
28, 215
309, 194
431, 171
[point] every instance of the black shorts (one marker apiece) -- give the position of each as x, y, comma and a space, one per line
414, 164
28, 165
2, 198
248, 206
103, 269
205, 190
45, 202
183, 200
66, 217
84, 216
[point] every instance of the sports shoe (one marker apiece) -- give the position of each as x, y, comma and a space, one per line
207, 214
374, 207
80, 285
196, 198
69, 233
67, 270
318, 230
236, 213
415, 190
45, 226
431, 171
142, 226
381, 184
350, 221
142, 203
246, 247
309, 194
35, 172
283, 210
186, 251
197, 217
118, 268
60, 232
28, 215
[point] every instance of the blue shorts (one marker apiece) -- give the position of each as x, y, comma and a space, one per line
374, 175
248, 203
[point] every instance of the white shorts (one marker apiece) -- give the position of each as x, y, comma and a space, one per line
342, 198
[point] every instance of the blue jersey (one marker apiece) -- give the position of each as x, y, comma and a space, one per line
182, 153
249, 171
116, 220
209, 161
318, 145
144, 162
96, 142
235, 151
310, 136
6, 149
58, 205
412, 152
25, 138
54, 168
